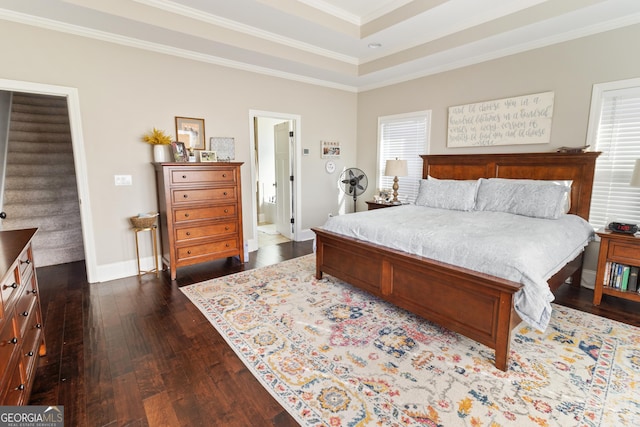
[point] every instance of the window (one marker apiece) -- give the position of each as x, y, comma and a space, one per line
404, 137
614, 129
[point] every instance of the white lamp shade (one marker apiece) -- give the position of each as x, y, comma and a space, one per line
635, 177
396, 168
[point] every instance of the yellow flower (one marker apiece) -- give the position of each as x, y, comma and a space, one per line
156, 137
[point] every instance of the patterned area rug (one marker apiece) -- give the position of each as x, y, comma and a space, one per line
336, 356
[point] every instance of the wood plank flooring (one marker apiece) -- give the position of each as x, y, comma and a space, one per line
136, 352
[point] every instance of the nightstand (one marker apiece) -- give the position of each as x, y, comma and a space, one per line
616, 249
372, 204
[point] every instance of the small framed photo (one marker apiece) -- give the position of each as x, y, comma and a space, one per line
179, 151
208, 156
330, 149
190, 132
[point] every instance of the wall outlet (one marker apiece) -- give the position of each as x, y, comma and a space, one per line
123, 180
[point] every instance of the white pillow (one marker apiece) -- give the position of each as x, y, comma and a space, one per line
459, 195
534, 198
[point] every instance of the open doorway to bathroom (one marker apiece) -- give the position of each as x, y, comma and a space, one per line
274, 166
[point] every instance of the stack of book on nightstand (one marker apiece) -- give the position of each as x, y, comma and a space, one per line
622, 277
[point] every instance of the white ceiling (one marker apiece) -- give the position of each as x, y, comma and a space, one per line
326, 42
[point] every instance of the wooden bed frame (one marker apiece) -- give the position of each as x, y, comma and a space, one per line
476, 305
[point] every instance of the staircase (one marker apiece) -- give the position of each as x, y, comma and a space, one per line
40, 181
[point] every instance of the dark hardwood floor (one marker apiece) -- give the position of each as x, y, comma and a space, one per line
136, 352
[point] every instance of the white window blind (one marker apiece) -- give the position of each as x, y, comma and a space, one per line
614, 129
405, 137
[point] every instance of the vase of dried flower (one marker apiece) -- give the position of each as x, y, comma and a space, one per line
160, 153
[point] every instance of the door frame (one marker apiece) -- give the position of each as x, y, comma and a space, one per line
79, 159
297, 173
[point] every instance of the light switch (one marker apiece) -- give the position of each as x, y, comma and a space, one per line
123, 180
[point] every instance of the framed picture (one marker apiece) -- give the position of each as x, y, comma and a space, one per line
208, 156
330, 149
179, 151
224, 148
190, 132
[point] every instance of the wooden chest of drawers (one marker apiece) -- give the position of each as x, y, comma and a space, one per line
200, 212
21, 332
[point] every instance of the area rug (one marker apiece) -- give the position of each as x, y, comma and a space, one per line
336, 356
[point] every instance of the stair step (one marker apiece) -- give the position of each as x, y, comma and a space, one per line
17, 116
40, 195
41, 147
53, 256
38, 127
57, 238
19, 157
20, 136
39, 169
17, 183
19, 210
53, 222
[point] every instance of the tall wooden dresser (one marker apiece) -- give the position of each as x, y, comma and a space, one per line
21, 332
200, 212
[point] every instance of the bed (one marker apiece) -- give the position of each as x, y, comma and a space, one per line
436, 290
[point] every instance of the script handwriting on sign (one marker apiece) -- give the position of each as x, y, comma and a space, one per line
520, 120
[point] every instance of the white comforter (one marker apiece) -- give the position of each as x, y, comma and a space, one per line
514, 247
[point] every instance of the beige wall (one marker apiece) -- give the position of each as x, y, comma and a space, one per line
125, 91
568, 69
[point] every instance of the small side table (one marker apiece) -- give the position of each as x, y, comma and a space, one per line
372, 204
153, 230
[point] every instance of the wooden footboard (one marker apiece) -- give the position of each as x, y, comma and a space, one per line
473, 304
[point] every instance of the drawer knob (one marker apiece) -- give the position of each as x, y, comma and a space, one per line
188, 233
226, 211
28, 261
185, 196
14, 340
186, 215
30, 354
34, 291
14, 286
188, 252
184, 176
226, 244
25, 313
38, 326
226, 228
224, 175
20, 387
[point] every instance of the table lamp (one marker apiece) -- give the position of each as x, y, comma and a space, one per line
395, 168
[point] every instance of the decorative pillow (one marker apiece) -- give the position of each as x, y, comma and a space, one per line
538, 199
459, 195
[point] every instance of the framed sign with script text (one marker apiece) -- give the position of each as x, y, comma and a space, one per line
510, 121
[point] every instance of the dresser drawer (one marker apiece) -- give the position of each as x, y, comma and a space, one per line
25, 308
9, 288
623, 253
16, 388
204, 195
208, 230
208, 212
31, 344
209, 249
25, 262
196, 176
9, 343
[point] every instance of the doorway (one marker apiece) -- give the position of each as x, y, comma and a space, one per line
274, 171
73, 106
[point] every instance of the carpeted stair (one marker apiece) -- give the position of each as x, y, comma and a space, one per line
40, 181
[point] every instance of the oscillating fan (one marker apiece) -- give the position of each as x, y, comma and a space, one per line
353, 182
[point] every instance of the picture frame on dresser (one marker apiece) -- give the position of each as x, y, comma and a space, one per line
179, 152
208, 156
190, 131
